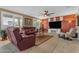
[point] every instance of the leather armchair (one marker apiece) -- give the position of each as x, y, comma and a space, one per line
20, 40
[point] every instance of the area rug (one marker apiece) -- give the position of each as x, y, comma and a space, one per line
42, 39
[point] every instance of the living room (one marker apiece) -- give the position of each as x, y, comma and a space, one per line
42, 29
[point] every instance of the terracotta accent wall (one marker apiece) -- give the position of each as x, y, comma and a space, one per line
68, 22
45, 23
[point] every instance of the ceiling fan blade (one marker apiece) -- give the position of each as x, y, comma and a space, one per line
46, 13
51, 13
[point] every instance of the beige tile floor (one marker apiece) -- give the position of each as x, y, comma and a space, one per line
53, 45
2, 43
56, 45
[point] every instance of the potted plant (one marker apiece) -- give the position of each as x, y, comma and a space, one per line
3, 34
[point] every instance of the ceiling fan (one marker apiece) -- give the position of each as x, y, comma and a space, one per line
46, 13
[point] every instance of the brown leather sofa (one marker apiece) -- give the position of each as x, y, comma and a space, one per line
21, 40
29, 30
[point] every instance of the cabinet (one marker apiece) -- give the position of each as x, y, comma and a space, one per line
28, 22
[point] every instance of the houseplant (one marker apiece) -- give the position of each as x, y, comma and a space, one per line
3, 34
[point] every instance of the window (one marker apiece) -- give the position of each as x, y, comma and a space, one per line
16, 22
8, 20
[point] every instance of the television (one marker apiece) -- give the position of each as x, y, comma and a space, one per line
55, 24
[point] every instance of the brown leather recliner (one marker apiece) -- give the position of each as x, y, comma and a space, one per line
20, 40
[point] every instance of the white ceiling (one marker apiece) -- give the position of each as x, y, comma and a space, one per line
37, 11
